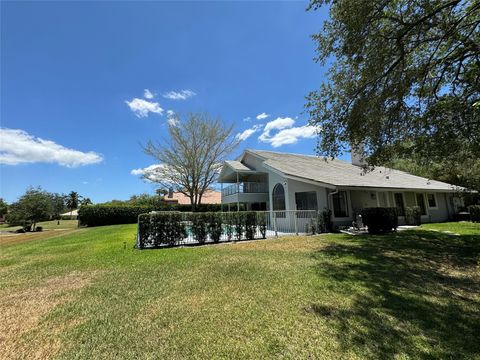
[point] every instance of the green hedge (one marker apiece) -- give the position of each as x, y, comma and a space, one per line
474, 211
99, 215
177, 228
380, 219
413, 215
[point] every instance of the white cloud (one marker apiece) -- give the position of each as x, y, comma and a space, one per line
287, 134
248, 132
277, 124
291, 135
179, 95
141, 107
262, 116
247, 119
147, 94
154, 173
172, 119
19, 147
143, 171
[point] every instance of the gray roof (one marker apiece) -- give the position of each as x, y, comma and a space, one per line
342, 173
238, 166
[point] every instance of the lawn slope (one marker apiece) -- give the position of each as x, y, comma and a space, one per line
89, 294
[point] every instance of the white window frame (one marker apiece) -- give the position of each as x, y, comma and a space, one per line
349, 209
404, 201
436, 201
424, 201
386, 197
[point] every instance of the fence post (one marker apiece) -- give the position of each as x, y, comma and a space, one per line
275, 223
295, 215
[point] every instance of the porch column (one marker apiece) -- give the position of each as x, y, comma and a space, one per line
238, 194
221, 196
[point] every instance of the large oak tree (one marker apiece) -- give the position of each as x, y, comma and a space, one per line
403, 79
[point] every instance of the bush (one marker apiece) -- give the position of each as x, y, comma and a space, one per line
39, 228
262, 224
474, 211
214, 226
228, 220
99, 215
380, 220
199, 227
158, 229
250, 224
325, 224
413, 215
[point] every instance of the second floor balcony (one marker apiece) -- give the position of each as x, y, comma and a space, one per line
246, 187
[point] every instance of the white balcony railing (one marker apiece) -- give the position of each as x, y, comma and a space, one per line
245, 187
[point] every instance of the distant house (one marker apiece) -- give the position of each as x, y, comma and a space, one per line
73, 215
209, 197
266, 180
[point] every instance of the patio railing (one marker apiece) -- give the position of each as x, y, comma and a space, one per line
245, 187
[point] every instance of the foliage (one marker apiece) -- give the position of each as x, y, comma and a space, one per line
325, 224
72, 200
228, 220
238, 224
404, 72
99, 215
199, 227
58, 205
161, 229
474, 211
214, 226
86, 201
380, 219
262, 224
413, 215
192, 156
35, 205
3, 207
250, 224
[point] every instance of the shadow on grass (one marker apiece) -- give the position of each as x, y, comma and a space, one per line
414, 294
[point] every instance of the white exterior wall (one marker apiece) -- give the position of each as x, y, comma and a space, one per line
298, 186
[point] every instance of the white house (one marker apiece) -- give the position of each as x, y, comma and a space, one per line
267, 180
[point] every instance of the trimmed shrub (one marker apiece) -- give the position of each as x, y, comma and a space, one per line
199, 227
158, 229
238, 221
250, 224
325, 224
99, 215
38, 228
413, 215
380, 219
262, 224
474, 211
228, 220
214, 226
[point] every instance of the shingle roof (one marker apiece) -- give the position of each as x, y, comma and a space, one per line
341, 173
237, 165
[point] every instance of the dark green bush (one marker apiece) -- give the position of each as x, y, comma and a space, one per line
239, 221
162, 228
413, 215
199, 226
214, 226
474, 211
39, 228
228, 220
325, 224
250, 224
380, 219
262, 224
99, 215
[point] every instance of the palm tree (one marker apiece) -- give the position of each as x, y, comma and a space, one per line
86, 201
72, 201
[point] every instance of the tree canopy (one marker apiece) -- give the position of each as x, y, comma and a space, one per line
190, 159
404, 77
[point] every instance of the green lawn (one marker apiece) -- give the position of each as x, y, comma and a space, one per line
90, 295
47, 225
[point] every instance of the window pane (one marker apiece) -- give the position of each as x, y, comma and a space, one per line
431, 200
340, 208
399, 204
306, 200
278, 199
421, 203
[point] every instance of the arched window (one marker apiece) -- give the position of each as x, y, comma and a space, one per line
278, 197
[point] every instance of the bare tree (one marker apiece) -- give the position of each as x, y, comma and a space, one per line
189, 161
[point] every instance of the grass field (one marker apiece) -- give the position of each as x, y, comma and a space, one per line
90, 295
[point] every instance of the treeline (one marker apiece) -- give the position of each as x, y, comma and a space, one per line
40, 205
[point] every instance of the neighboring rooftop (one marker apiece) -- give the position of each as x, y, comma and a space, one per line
209, 197
342, 173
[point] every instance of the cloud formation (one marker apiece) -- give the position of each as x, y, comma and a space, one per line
179, 95
19, 147
147, 94
172, 119
141, 108
262, 116
248, 132
287, 134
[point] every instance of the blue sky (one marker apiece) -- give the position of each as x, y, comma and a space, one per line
70, 74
